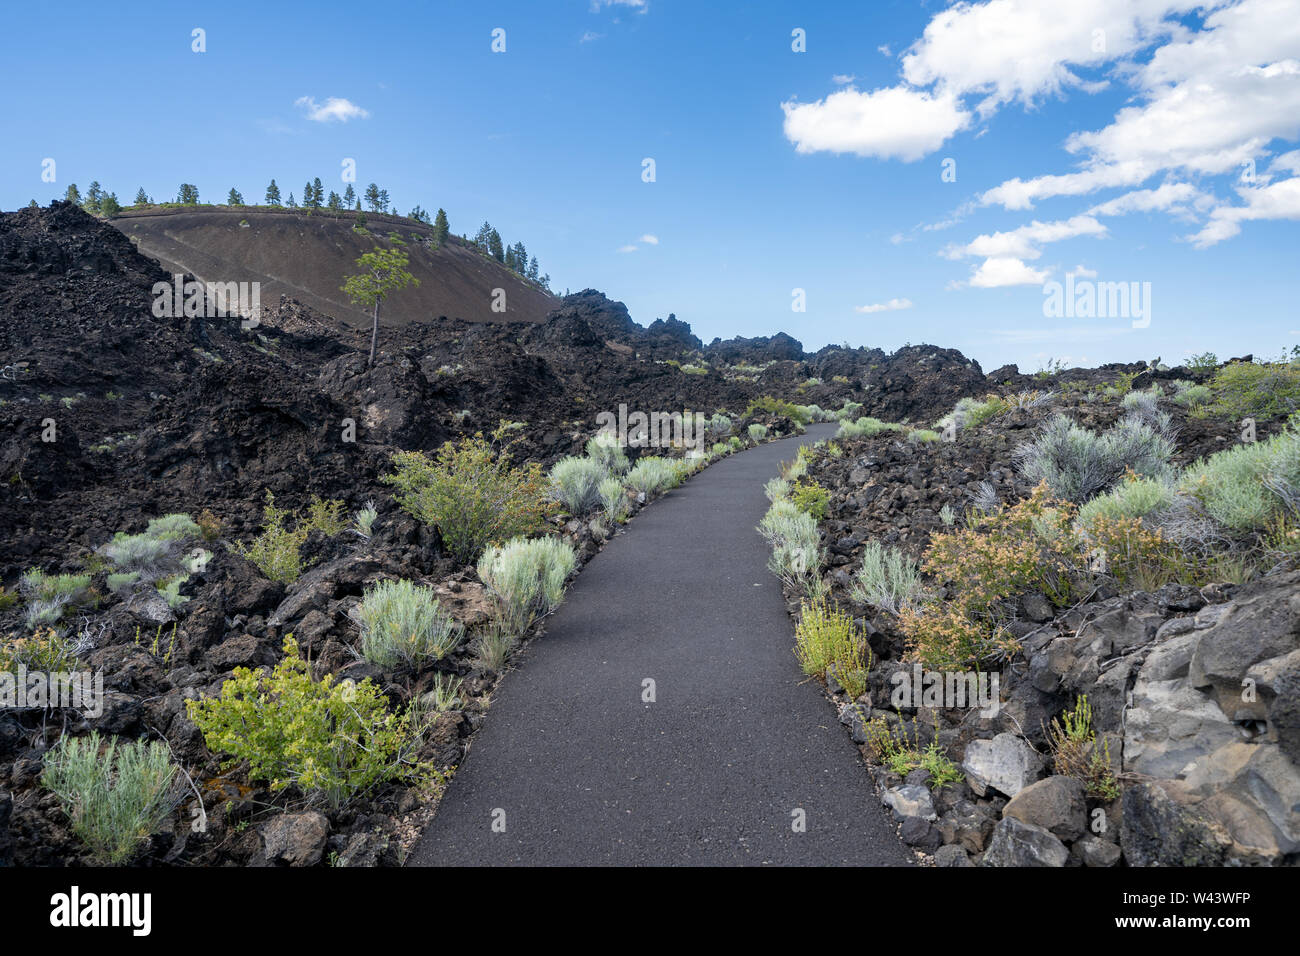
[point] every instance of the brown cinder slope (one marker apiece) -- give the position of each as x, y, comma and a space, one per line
307, 256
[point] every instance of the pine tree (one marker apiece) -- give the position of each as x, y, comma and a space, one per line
419, 215
317, 194
532, 269
307, 195
273, 194
440, 228
334, 202
188, 194
235, 198
142, 198
495, 248
483, 238
383, 200
383, 271
33, 205
109, 206
349, 197
372, 197
291, 204
93, 197
73, 195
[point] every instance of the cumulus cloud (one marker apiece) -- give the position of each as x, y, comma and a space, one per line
1208, 101
650, 240
1082, 272
999, 271
1169, 197
1280, 200
1025, 50
893, 305
334, 109
1024, 242
894, 122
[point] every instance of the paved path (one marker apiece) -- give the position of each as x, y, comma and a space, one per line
586, 773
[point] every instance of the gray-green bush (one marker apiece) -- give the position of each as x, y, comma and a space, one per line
403, 623
115, 798
526, 578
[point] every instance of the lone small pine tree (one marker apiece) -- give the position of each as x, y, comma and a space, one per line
382, 271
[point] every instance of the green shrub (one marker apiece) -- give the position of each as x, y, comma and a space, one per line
526, 578
605, 449
402, 623
888, 579
650, 476
275, 550
492, 649
1139, 498
923, 436
812, 498
1249, 486
575, 483
45, 651
865, 427
767, 405
776, 488
364, 520
174, 527
39, 586
792, 535
757, 432
1254, 390
826, 639
1078, 464
169, 590
115, 796
1075, 752
972, 412
613, 499
330, 740
470, 494
892, 749
719, 425
1192, 396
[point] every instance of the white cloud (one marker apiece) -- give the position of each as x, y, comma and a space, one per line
1082, 272
884, 50
1208, 101
1025, 49
650, 240
1024, 242
893, 305
641, 6
334, 109
1000, 271
1169, 197
590, 37
891, 122
840, 79
1021, 194
1280, 200
631, 247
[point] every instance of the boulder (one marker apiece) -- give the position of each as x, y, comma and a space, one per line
1056, 804
909, 800
1006, 764
1157, 831
1023, 844
294, 839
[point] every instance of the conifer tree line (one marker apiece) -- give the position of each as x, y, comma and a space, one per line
488, 240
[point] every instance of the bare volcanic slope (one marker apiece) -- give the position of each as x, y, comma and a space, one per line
307, 256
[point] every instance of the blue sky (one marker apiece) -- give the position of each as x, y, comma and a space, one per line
1117, 158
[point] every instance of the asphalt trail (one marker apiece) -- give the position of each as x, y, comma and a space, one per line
581, 771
